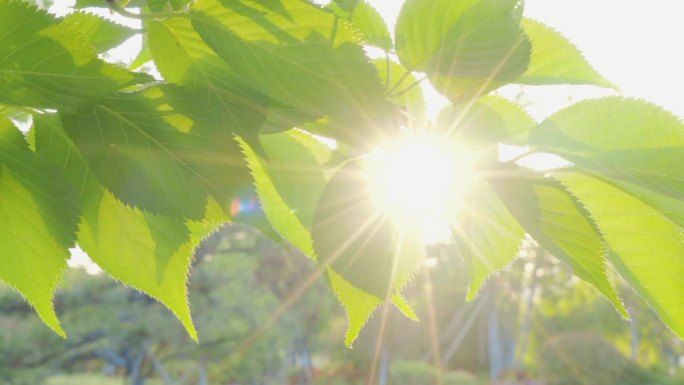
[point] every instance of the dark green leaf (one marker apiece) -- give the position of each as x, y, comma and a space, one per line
161, 150
46, 64
301, 56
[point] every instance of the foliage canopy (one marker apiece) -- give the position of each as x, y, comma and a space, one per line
137, 169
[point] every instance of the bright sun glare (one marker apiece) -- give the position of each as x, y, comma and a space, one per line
419, 177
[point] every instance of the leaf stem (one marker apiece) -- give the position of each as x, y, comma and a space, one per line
401, 80
408, 88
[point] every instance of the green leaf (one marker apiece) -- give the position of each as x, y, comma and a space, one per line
302, 57
400, 82
149, 252
487, 235
38, 215
555, 60
623, 139
289, 182
561, 225
366, 20
101, 33
358, 305
161, 150
71, 78
646, 248
467, 47
489, 118
359, 241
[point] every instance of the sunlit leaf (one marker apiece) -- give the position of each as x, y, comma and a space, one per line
561, 225
624, 139
101, 33
38, 217
71, 78
486, 234
366, 20
289, 183
646, 247
467, 47
160, 150
489, 118
149, 252
555, 60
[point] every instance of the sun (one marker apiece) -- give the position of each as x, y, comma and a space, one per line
420, 177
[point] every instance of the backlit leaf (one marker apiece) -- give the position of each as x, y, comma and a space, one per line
555, 60
101, 33
624, 139
646, 248
71, 78
38, 217
467, 47
561, 225
160, 150
149, 252
487, 235
302, 56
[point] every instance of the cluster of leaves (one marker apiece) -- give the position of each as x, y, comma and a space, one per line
138, 170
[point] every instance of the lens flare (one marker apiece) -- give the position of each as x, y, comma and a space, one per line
420, 177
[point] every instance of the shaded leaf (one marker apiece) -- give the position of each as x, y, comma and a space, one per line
71, 78
301, 56
161, 150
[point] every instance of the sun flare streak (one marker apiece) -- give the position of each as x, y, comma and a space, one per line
421, 178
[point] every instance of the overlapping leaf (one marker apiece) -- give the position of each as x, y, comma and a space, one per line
46, 64
302, 57
555, 60
486, 233
559, 223
490, 118
366, 20
289, 183
101, 33
161, 150
38, 217
645, 246
467, 47
400, 83
624, 139
151, 253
